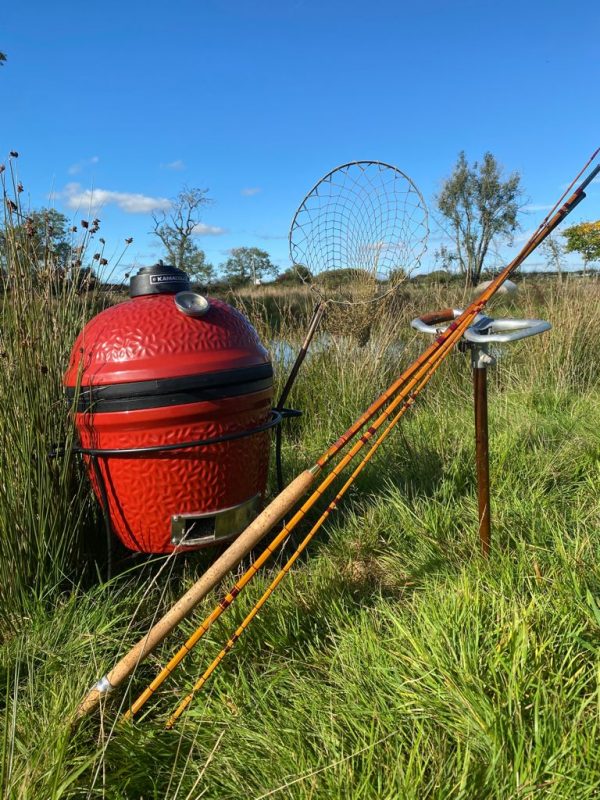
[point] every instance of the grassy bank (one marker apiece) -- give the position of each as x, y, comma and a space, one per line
393, 663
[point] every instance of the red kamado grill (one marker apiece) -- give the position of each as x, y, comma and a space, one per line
173, 397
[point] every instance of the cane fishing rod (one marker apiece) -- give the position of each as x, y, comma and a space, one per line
295, 555
439, 350
285, 501
423, 376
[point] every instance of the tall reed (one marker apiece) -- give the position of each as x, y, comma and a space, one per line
46, 297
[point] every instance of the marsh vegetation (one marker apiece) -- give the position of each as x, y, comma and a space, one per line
394, 662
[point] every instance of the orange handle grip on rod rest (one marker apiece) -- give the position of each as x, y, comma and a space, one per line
436, 317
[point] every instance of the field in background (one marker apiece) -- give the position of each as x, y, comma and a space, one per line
393, 663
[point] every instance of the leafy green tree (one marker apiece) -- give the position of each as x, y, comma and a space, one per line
584, 238
51, 234
248, 265
297, 274
482, 208
45, 235
195, 264
342, 277
176, 229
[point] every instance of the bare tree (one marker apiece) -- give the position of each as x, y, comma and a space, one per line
554, 254
176, 228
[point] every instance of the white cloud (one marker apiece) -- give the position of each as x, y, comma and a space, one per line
76, 168
250, 191
200, 229
129, 202
176, 165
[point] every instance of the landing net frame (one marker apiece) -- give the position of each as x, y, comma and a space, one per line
360, 231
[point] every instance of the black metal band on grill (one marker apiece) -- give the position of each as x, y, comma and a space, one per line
172, 391
276, 417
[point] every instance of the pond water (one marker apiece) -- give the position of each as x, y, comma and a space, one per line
283, 353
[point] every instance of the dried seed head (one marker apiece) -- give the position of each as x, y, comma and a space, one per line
13, 154
2, 168
101, 241
103, 262
96, 256
85, 223
74, 229
129, 241
19, 187
11, 205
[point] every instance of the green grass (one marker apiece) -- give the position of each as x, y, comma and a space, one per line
394, 662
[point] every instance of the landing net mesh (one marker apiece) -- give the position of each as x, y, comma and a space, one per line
359, 233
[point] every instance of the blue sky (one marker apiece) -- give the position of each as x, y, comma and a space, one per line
256, 100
